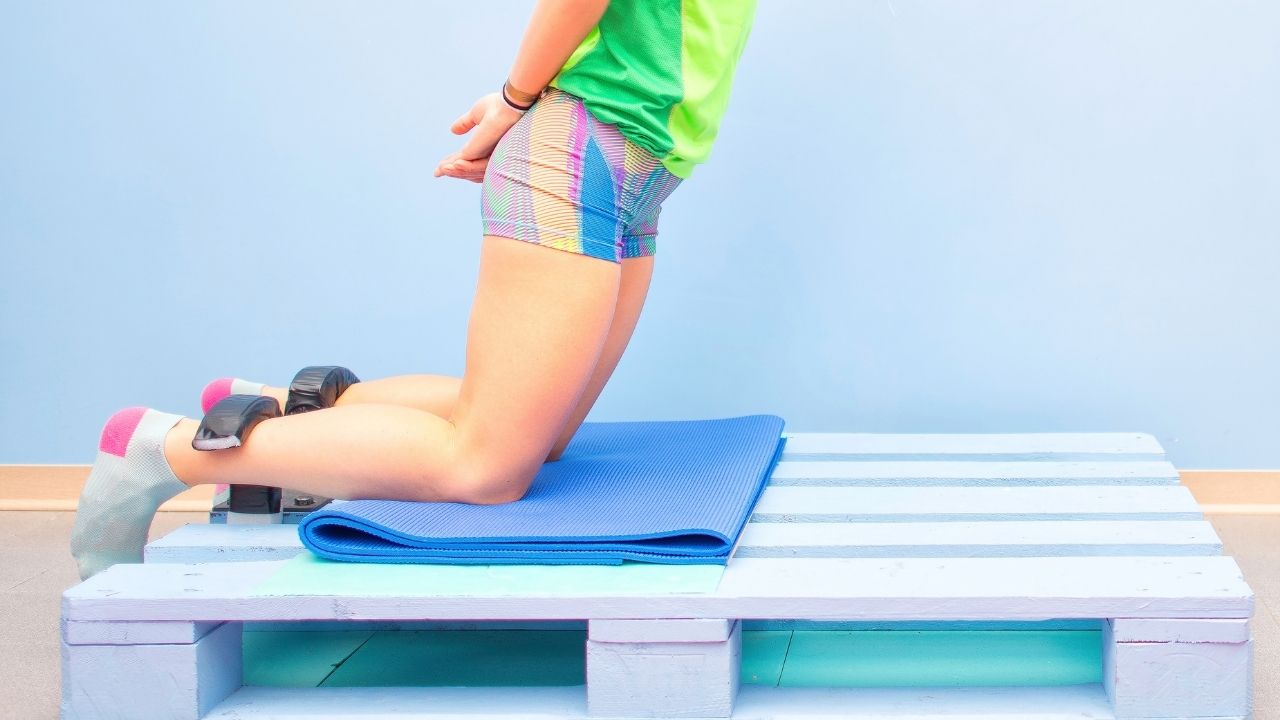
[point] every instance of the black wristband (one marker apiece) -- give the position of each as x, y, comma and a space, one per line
511, 103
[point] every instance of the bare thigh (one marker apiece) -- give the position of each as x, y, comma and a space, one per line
539, 323
438, 394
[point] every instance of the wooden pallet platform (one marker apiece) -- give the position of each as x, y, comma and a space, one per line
902, 530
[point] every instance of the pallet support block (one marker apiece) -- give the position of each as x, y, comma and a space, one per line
173, 680
1178, 668
663, 668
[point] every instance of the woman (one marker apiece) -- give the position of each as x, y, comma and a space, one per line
607, 108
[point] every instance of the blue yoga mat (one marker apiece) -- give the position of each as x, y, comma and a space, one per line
665, 492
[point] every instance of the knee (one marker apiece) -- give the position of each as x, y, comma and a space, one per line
480, 483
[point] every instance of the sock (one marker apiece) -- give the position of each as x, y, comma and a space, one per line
222, 387
129, 481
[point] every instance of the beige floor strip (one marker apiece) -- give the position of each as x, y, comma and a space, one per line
57, 487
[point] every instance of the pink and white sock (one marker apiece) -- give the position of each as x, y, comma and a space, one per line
129, 481
222, 387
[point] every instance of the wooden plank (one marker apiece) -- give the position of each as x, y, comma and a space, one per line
978, 539
763, 538
654, 678
937, 504
208, 543
973, 474
972, 446
755, 702
1069, 702
1191, 630
1177, 679
403, 703
180, 682
660, 631
135, 633
762, 588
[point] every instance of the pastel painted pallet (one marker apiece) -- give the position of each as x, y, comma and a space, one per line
860, 527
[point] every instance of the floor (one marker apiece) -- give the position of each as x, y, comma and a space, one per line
35, 567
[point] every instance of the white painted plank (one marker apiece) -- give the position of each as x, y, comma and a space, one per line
1068, 702
747, 625
1195, 630
1178, 680
664, 679
972, 446
755, 702
401, 703
660, 631
134, 633
858, 507
978, 539
808, 588
177, 682
208, 543
939, 504
973, 474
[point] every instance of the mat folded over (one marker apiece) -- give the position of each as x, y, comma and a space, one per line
665, 492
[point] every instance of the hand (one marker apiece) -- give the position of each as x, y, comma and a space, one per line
490, 118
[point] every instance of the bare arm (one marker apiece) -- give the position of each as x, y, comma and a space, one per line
555, 30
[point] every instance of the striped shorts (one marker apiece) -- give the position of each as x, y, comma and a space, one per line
563, 179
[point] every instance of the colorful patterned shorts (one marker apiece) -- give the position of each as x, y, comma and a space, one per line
563, 179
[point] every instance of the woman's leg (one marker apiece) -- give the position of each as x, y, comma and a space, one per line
539, 322
437, 394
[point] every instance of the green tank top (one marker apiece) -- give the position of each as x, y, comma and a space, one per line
661, 71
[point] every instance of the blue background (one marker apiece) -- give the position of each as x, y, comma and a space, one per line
964, 216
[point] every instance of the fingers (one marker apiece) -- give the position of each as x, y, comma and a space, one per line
472, 170
464, 123
482, 141
449, 160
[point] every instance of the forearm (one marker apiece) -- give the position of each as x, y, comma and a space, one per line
555, 30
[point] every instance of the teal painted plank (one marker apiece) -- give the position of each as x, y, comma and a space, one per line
303, 658
945, 658
296, 659
763, 652
307, 574
541, 658
466, 658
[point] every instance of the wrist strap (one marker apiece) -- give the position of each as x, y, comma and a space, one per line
519, 96
508, 91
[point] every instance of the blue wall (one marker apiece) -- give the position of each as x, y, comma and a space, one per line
967, 216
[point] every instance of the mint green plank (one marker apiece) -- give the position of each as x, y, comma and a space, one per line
466, 658
762, 654
949, 658
296, 659
307, 574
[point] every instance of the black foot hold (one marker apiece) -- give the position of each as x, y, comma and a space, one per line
229, 422
318, 386
254, 504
